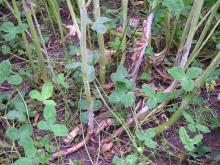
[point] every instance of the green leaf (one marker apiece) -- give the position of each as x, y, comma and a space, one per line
177, 73
202, 128
83, 104
175, 6
91, 73
93, 57
117, 161
44, 125
150, 133
28, 145
84, 117
189, 144
187, 85
34, 94
151, 102
47, 90
150, 143
24, 161
49, 102
99, 27
131, 159
25, 131
192, 127
97, 105
15, 114
5, 70
120, 74
12, 133
50, 113
193, 72
188, 117
14, 79
148, 90
61, 80
74, 65
59, 130
102, 19
128, 99
115, 97
140, 135
145, 76
6, 49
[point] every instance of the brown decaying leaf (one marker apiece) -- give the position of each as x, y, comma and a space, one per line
107, 147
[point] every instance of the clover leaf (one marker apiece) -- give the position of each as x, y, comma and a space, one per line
154, 98
147, 137
99, 25
189, 144
186, 79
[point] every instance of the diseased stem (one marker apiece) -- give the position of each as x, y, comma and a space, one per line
185, 102
102, 60
125, 22
83, 15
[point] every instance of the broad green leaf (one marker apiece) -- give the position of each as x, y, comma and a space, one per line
47, 90
128, 99
59, 130
189, 144
34, 94
49, 102
102, 19
93, 57
7, 26
44, 125
61, 80
177, 73
15, 114
145, 76
140, 135
193, 72
192, 127
120, 74
117, 161
5, 70
97, 105
74, 65
99, 27
28, 145
91, 73
150, 143
162, 97
150, 133
14, 79
12, 133
148, 90
24, 161
84, 117
151, 102
25, 131
50, 113
115, 97
188, 117
202, 128
174, 6
187, 85
131, 159
6, 49
83, 104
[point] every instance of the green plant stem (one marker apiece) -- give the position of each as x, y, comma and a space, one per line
185, 102
125, 22
102, 60
83, 15
205, 30
55, 12
36, 41
73, 16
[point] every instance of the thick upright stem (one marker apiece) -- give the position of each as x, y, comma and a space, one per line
28, 50
36, 41
185, 102
102, 60
83, 15
125, 22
